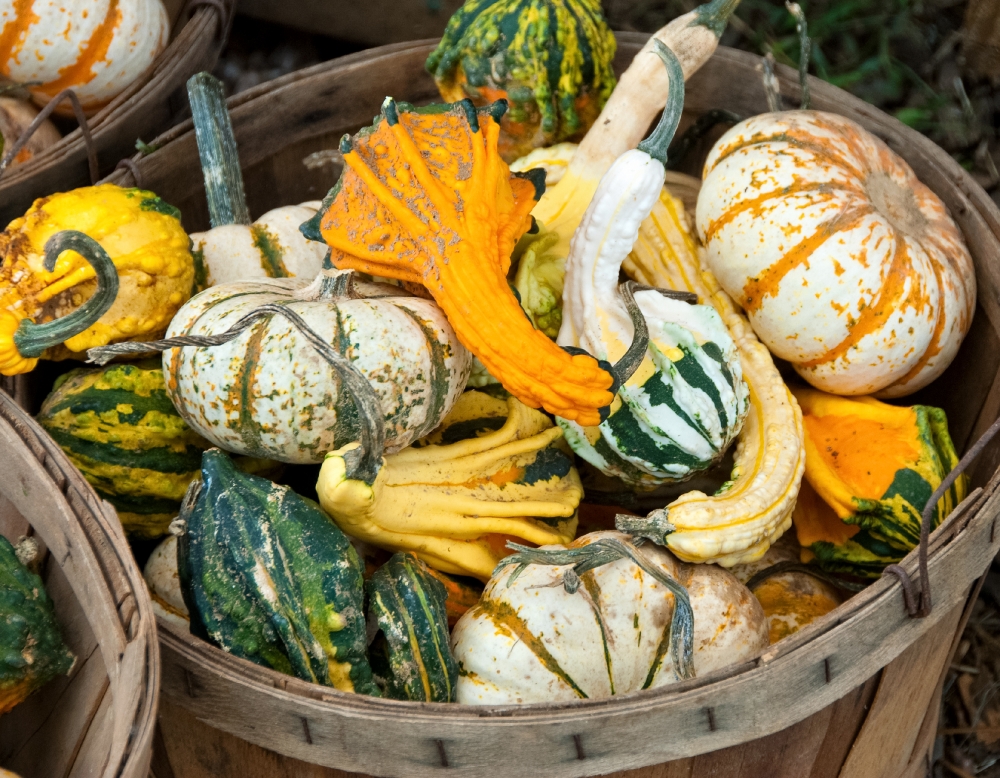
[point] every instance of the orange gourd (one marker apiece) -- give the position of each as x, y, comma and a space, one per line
426, 198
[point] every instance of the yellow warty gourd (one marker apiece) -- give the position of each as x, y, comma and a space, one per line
755, 508
144, 239
494, 471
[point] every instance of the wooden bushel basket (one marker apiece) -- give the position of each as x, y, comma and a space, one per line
99, 721
147, 107
855, 694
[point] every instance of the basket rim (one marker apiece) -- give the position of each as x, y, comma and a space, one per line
109, 546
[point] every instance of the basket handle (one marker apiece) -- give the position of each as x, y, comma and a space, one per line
45, 113
220, 10
917, 599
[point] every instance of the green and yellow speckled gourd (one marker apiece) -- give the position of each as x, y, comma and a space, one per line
119, 427
268, 577
32, 651
411, 651
871, 467
550, 59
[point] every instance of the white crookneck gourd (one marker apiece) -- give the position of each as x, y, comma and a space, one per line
684, 405
599, 617
630, 110
236, 249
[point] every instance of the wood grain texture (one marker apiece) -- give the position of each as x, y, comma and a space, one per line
147, 107
695, 728
96, 722
885, 745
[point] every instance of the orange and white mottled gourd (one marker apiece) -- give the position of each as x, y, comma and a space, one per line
236, 249
270, 392
98, 48
600, 617
15, 117
142, 236
426, 198
846, 264
686, 401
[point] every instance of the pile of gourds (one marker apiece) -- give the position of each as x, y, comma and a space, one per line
442, 561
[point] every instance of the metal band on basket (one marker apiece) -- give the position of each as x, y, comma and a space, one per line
45, 113
917, 599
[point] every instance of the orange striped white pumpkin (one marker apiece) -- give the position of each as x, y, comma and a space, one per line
847, 265
96, 47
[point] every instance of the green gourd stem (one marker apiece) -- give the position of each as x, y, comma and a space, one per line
656, 526
220, 161
33, 339
602, 552
805, 49
658, 142
715, 15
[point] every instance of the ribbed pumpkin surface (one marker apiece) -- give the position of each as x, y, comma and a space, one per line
95, 47
32, 651
847, 265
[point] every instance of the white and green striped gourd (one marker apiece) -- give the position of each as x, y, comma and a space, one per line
685, 404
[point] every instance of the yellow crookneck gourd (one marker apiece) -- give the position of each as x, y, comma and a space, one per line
426, 198
871, 467
494, 471
141, 235
755, 506
640, 95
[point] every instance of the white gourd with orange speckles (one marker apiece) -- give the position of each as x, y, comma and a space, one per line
531, 641
96, 47
846, 264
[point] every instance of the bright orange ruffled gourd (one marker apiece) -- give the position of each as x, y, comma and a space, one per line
426, 198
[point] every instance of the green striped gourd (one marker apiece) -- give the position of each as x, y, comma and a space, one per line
600, 617
686, 403
268, 393
268, 577
236, 249
119, 427
32, 651
550, 59
411, 651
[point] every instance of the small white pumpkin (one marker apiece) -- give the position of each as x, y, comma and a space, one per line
271, 247
236, 249
268, 393
846, 264
530, 640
